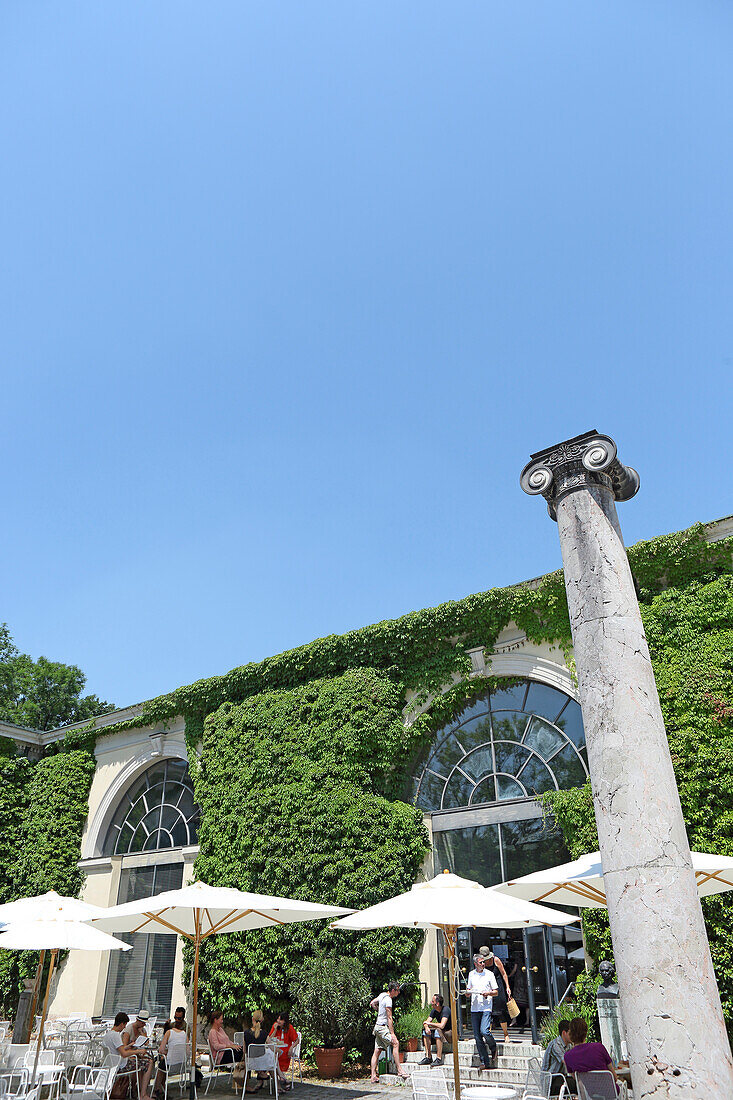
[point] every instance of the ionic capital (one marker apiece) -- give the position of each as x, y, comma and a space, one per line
588, 459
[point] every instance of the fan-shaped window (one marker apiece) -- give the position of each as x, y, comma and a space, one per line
157, 812
515, 742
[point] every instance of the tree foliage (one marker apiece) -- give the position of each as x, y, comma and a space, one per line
42, 694
297, 792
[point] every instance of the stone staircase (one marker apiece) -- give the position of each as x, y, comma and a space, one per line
511, 1065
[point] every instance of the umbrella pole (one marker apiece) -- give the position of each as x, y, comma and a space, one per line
43, 1016
449, 932
37, 989
194, 1028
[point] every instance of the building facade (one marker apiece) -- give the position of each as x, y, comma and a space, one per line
477, 783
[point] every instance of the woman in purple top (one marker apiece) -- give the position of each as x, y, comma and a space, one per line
584, 1057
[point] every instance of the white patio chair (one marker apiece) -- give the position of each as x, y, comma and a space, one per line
538, 1081
91, 1082
295, 1056
181, 1070
16, 1082
218, 1069
260, 1058
599, 1084
430, 1085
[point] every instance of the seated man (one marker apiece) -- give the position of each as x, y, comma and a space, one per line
117, 1041
436, 1029
554, 1058
136, 1039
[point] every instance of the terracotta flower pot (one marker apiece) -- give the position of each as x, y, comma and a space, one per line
413, 1044
329, 1060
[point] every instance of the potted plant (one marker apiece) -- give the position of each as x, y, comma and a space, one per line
330, 999
409, 1027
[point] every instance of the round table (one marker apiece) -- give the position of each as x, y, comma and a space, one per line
487, 1092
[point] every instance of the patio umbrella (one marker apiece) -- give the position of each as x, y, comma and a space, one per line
199, 911
48, 906
580, 883
448, 902
56, 935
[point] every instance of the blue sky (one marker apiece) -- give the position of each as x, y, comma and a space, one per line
290, 291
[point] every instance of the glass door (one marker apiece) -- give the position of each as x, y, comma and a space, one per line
533, 982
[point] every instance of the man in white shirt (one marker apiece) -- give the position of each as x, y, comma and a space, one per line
483, 988
383, 1031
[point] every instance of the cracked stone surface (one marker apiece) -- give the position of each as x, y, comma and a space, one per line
678, 1047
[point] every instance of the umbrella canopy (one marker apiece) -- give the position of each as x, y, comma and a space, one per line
49, 906
580, 883
451, 901
59, 935
448, 902
199, 911
55, 934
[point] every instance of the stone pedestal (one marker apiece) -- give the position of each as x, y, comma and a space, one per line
678, 1047
611, 1022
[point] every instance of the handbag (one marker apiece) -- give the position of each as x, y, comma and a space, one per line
512, 1008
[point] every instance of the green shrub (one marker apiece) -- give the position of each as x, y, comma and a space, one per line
409, 1024
331, 1000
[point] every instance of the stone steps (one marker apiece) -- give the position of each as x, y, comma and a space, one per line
511, 1067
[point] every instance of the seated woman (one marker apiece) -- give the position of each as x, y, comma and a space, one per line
256, 1033
284, 1032
173, 1052
584, 1057
224, 1051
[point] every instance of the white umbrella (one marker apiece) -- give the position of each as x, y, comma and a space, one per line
49, 906
199, 911
55, 935
580, 883
448, 902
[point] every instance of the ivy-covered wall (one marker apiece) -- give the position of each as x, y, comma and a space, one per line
43, 808
305, 756
298, 797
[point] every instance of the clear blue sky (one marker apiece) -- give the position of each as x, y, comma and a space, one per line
290, 291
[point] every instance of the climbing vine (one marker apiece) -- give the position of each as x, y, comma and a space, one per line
43, 808
297, 792
299, 761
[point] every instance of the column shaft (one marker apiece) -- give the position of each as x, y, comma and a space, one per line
678, 1047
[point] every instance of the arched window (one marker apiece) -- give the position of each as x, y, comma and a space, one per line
156, 815
157, 812
512, 743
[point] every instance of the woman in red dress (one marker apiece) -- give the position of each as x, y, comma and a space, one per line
284, 1032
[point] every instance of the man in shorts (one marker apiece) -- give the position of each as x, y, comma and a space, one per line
436, 1029
383, 1031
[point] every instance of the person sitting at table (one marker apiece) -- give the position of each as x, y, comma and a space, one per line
136, 1037
117, 1042
225, 1052
173, 1051
584, 1057
179, 1017
286, 1037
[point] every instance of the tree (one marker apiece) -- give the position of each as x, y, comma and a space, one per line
42, 694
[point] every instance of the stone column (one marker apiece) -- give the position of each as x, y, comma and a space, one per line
678, 1047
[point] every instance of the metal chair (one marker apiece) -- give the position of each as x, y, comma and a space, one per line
428, 1085
539, 1081
181, 1070
295, 1056
218, 1069
599, 1084
91, 1082
261, 1059
16, 1082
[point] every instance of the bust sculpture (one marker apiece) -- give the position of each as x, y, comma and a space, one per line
607, 988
